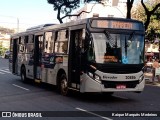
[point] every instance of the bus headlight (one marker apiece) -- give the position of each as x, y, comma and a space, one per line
141, 78
95, 77
90, 74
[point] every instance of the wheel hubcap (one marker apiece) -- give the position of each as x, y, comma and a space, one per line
64, 87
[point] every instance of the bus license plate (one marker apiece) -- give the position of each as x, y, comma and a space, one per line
121, 86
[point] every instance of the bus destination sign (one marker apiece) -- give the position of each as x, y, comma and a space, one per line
115, 24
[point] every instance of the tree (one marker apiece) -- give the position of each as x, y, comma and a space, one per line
2, 49
65, 7
149, 12
153, 29
129, 7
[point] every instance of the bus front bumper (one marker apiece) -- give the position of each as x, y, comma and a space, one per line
90, 85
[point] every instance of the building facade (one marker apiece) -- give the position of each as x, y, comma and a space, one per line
5, 40
112, 8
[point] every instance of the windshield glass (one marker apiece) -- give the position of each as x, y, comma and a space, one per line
116, 48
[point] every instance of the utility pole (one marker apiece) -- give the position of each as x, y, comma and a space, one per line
17, 25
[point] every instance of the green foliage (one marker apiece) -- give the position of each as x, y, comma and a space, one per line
153, 29
65, 7
2, 49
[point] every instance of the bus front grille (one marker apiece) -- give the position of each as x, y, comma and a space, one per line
114, 84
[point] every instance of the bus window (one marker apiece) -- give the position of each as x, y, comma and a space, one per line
26, 39
19, 41
62, 35
61, 47
64, 46
22, 41
90, 53
29, 44
40, 39
61, 44
21, 48
30, 39
29, 48
48, 46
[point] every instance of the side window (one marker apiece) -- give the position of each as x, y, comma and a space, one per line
21, 48
31, 39
61, 44
31, 42
40, 39
21, 44
49, 42
90, 51
26, 39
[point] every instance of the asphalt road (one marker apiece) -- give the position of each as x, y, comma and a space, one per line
16, 96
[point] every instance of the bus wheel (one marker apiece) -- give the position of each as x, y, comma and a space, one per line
63, 85
23, 74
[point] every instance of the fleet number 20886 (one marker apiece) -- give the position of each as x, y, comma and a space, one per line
130, 77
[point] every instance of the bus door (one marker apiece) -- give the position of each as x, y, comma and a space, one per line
14, 55
38, 49
75, 57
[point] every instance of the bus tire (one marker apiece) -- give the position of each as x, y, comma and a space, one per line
63, 85
23, 74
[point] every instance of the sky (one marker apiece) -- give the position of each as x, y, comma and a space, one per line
27, 12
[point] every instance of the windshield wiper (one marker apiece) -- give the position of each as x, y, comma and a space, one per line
130, 39
128, 42
126, 45
111, 41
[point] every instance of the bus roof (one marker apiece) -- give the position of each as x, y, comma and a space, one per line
48, 27
39, 27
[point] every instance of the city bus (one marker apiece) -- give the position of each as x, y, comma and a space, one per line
102, 55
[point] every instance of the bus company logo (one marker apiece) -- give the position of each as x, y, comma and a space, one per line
21, 114
6, 114
109, 77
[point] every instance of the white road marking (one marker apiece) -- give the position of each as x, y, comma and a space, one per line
4, 71
5, 68
106, 118
20, 87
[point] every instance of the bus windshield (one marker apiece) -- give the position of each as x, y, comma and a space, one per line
116, 48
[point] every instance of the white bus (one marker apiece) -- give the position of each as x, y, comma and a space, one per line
103, 55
